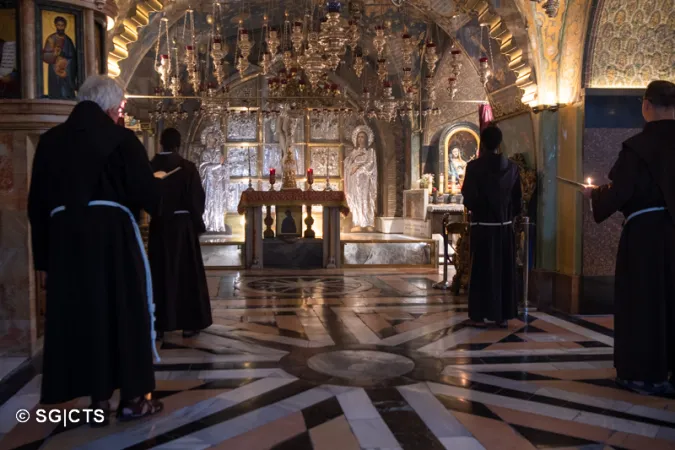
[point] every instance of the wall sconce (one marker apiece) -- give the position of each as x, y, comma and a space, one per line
551, 7
550, 108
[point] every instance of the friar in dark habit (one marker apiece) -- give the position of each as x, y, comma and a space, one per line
90, 180
181, 292
642, 188
492, 193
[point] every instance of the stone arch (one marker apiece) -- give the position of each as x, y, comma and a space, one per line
139, 14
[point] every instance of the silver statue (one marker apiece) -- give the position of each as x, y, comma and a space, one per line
284, 128
360, 173
215, 176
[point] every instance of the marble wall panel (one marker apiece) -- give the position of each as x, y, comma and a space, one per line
361, 253
15, 307
16, 326
518, 135
6, 162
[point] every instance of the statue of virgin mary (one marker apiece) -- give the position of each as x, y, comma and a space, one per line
215, 175
360, 175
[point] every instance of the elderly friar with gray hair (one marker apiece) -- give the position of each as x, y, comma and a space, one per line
91, 178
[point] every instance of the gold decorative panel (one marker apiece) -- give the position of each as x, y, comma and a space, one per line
633, 43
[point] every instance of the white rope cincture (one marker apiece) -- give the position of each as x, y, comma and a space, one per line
643, 211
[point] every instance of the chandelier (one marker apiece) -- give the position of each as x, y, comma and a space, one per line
298, 59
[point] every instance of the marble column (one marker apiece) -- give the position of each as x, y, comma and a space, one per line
89, 43
28, 56
415, 149
547, 207
569, 199
21, 124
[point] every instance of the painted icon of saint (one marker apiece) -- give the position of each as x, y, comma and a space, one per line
59, 53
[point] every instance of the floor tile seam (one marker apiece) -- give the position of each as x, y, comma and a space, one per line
568, 404
257, 414
230, 412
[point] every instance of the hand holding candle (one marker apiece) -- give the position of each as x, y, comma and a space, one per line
588, 188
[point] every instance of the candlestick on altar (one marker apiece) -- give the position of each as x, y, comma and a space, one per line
327, 188
273, 178
310, 178
250, 181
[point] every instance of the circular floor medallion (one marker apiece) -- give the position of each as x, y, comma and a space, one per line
361, 365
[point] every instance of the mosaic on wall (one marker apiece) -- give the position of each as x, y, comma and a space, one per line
633, 43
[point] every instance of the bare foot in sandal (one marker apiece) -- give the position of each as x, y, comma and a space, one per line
138, 408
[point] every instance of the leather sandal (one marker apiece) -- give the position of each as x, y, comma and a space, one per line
137, 409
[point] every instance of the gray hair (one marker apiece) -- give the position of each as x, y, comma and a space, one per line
102, 90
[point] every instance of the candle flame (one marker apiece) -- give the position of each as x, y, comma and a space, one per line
589, 181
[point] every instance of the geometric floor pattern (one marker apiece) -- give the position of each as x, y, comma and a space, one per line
371, 360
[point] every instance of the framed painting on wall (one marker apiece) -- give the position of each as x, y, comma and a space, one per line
10, 80
458, 145
60, 51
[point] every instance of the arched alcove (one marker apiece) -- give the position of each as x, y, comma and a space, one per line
463, 136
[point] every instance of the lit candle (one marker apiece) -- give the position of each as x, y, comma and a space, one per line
589, 181
273, 171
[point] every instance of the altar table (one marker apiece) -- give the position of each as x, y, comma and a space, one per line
252, 202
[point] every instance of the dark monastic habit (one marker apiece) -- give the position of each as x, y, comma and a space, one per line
90, 180
492, 193
642, 188
181, 292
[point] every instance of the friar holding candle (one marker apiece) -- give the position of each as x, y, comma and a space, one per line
179, 280
642, 188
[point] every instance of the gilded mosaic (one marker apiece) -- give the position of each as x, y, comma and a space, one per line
634, 43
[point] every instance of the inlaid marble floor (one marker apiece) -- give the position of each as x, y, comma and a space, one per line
371, 360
